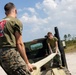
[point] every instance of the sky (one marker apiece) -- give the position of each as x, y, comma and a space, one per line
41, 16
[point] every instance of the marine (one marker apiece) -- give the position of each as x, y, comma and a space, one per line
13, 56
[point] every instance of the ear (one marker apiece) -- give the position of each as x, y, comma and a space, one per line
12, 11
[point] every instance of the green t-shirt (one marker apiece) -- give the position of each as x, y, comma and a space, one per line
52, 42
11, 26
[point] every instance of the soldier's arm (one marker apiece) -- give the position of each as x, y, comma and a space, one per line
21, 49
50, 48
56, 46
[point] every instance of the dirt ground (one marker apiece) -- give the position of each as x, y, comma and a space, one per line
71, 62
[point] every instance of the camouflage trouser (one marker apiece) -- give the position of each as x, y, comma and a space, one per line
57, 58
12, 62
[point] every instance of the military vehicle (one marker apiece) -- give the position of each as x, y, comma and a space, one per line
38, 52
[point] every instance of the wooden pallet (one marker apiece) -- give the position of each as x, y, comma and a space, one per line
57, 71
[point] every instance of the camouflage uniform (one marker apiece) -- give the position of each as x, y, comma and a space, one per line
57, 58
12, 62
10, 58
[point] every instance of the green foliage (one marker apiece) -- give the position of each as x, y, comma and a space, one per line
70, 42
70, 46
65, 37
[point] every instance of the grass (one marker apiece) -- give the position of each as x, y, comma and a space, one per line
71, 48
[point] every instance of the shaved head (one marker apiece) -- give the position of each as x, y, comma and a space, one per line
8, 7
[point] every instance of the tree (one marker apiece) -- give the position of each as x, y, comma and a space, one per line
65, 37
69, 36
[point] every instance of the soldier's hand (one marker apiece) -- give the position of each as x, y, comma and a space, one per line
57, 51
30, 67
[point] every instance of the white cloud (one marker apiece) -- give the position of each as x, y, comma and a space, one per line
50, 4
19, 10
32, 10
38, 5
60, 13
33, 19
